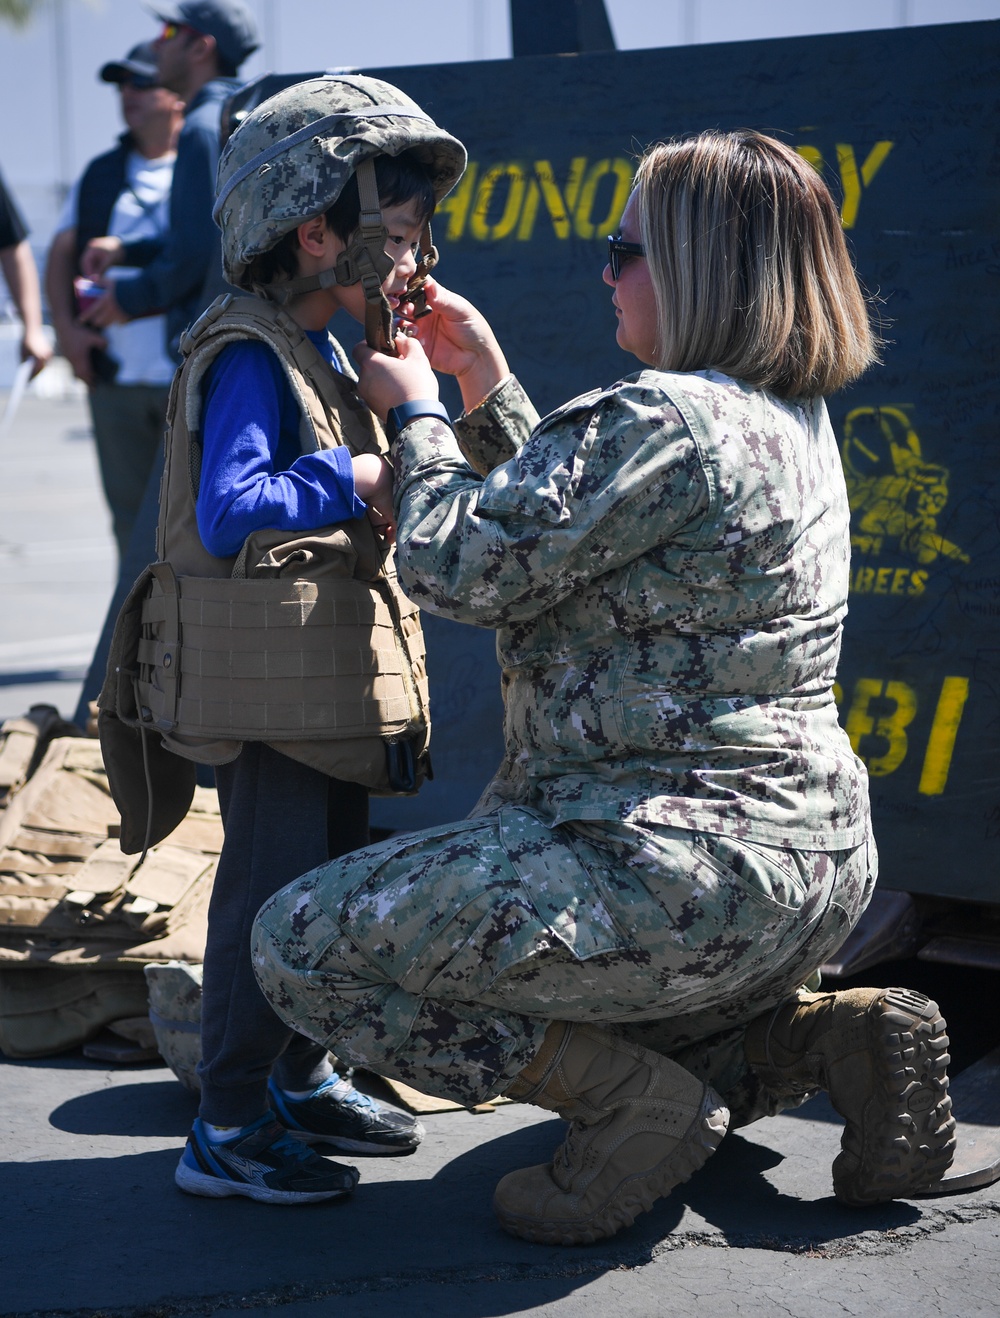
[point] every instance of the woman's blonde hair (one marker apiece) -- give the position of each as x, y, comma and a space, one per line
749, 266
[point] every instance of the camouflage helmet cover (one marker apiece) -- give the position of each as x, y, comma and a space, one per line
292, 155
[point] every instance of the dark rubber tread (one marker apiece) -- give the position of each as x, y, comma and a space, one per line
906, 1141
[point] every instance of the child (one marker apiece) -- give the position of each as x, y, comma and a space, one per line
325, 191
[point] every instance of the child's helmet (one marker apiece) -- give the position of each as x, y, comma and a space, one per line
291, 157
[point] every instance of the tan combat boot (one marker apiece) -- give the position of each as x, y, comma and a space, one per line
639, 1125
882, 1055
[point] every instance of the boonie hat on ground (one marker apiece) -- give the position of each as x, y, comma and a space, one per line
138, 67
229, 21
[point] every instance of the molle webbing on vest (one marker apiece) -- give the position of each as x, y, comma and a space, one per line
304, 640
262, 660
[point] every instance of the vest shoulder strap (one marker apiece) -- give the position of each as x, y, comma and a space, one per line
328, 400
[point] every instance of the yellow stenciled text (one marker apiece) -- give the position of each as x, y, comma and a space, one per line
879, 722
511, 199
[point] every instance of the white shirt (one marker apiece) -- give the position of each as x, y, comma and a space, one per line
141, 212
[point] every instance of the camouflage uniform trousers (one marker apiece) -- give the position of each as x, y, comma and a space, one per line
439, 957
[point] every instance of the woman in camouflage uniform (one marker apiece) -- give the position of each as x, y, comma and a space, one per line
679, 834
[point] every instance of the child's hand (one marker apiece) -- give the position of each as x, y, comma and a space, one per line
373, 483
385, 382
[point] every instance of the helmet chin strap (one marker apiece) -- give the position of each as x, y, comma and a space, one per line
415, 291
363, 261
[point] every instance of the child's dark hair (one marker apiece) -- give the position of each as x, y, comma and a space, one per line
400, 179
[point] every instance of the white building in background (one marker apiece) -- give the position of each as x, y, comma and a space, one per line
57, 115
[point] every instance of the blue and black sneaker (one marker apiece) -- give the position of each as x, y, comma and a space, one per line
339, 1115
262, 1163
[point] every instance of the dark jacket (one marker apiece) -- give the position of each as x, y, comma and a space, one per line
101, 184
187, 274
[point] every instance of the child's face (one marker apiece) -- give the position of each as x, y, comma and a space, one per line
404, 225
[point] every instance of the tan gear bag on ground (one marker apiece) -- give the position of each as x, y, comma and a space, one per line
78, 919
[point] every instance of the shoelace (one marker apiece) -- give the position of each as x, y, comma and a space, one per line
352, 1097
289, 1148
566, 1154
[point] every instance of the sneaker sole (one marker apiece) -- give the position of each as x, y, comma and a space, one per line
213, 1187
359, 1147
639, 1193
909, 1141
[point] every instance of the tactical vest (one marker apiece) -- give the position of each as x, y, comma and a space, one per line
304, 640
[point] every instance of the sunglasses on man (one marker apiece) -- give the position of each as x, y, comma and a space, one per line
171, 30
619, 252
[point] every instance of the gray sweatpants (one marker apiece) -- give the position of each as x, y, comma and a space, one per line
280, 817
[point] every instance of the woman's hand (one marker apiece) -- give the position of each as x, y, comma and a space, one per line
76, 342
385, 382
458, 340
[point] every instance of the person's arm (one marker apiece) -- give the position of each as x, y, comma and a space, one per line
75, 340
143, 251
605, 479
101, 254
242, 487
21, 275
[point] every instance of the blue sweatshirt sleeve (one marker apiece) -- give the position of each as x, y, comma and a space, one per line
249, 430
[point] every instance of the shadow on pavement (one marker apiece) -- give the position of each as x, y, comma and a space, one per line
129, 1239
162, 1108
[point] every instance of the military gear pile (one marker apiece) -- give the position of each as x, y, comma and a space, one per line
175, 1015
78, 919
289, 161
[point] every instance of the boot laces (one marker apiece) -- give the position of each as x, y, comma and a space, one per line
566, 1159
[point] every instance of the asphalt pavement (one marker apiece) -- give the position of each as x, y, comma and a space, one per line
58, 562
93, 1225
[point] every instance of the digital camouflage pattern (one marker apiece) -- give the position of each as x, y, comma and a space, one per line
666, 565
678, 836
291, 156
439, 957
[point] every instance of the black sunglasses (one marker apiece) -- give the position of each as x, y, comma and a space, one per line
619, 248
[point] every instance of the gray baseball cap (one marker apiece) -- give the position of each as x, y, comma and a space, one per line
229, 21
138, 67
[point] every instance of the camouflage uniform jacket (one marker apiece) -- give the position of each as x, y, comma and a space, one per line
666, 564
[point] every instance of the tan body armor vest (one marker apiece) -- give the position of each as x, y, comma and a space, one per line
303, 641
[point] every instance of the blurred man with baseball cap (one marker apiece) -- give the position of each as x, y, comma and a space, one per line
137, 69
198, 53
123, 196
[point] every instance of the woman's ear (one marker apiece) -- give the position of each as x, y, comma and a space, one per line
314, 236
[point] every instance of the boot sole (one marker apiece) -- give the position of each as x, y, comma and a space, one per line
909, 1132
636, 1195
214, 1187
360, 1147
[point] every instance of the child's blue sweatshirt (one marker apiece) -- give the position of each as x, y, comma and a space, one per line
254, 474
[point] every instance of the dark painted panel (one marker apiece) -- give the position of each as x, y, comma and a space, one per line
905, 127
